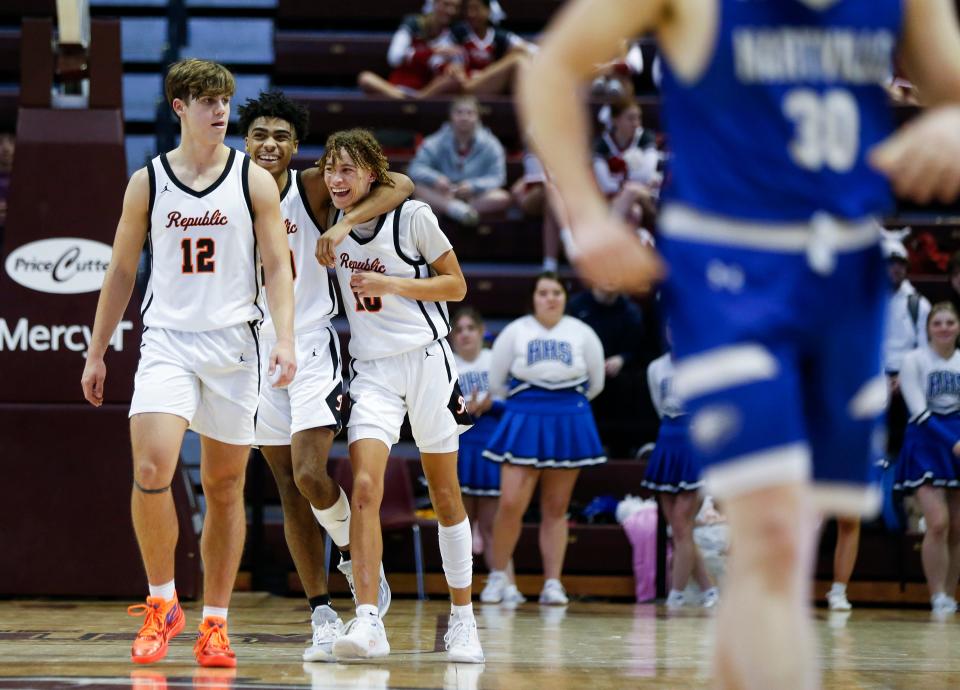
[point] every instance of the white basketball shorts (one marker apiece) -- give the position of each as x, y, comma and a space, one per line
421, 383
314, 398
210, 378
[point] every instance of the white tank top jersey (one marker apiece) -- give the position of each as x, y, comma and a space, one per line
475, 375
205, 269
314, 299
660, 380
929, 382
403, 243
569, 355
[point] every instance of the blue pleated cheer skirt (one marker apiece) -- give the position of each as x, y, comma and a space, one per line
925, 458
673, 465
546, 430
478, 475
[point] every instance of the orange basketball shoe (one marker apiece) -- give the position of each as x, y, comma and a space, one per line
163, 619
213, 646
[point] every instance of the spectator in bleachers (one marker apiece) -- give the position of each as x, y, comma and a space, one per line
531, 194
906, 315
928, 461
461, 169
491, 55
625, 160
425, 61
619, 323
479, 477
552, 365
7, 145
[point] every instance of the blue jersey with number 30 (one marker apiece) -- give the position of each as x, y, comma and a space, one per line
779, 125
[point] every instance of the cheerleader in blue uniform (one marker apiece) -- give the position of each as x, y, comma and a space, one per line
674, 474
930, 383
480, 477
549, 365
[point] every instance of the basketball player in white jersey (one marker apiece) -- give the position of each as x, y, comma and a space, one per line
396, 273
296, 425
207, 213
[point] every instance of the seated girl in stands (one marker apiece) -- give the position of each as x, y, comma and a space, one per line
625, 160
424, 59
549, 366
479, 477
930, 384
673, 473
491, 54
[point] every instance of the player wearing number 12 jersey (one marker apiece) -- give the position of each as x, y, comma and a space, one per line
208, 216
400, 270
782, 143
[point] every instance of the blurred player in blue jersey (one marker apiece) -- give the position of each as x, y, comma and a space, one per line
784, 151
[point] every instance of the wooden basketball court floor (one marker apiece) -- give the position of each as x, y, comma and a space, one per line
47, 644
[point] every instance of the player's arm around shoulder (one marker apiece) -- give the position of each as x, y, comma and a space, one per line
118, 282
275, 256
382, 199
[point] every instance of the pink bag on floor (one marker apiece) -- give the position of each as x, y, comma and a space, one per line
641, 529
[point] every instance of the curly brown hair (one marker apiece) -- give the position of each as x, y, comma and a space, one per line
193, 78
363, 149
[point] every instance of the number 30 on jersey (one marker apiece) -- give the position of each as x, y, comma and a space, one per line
827, 131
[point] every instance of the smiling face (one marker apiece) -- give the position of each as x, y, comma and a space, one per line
549, 300
271, 143
467, 337
943, 328
348, 183
205, 117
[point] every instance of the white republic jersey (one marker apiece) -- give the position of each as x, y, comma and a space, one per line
475, 375
660, 380
314, 299
205, 269
403, 243
929, 382
569, 355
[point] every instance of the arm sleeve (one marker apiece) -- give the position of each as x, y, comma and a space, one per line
502, 356
608, 184
428, 238
423, 168
593, 355
494, 174
400, 49
911, 385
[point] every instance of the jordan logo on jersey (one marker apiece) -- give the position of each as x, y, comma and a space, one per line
291, 226
365, 265
177, 220
166, 188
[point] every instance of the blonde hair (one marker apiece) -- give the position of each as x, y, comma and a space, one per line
939, 307
193, 78
363, 149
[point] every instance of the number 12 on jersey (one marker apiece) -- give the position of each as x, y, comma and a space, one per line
204, 262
